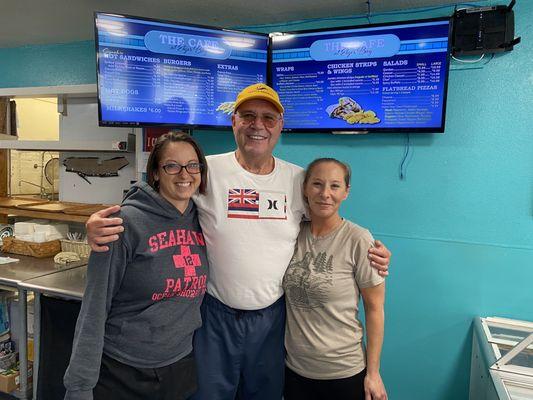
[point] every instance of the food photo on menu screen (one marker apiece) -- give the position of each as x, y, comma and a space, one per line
389, 77
160, 72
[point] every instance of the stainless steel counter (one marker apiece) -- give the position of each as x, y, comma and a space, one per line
11, 276
68, 284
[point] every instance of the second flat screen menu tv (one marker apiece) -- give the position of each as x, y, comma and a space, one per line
376, 78
157, 72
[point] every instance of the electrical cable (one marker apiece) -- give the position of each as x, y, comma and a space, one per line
489, 60
428, 9
469, 61
353, 17
403, 164
478, 67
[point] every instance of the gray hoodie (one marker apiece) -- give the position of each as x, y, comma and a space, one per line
142, 300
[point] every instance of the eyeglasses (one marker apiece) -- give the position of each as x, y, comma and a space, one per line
175, 169
268, 120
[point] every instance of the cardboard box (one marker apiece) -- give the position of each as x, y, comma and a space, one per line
10, 379
30, 349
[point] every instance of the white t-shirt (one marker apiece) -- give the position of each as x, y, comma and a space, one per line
250, 223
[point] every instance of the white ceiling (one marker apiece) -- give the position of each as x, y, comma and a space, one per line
24, 22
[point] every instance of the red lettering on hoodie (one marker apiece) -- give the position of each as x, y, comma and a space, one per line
162, 240
152, 241
172, 238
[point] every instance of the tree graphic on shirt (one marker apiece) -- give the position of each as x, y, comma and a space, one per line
320, 265
306, 288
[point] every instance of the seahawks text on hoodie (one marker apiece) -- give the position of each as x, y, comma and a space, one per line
142, 300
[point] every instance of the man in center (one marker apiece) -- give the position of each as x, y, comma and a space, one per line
251, 220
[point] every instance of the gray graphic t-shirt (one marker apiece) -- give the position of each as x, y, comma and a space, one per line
324, 335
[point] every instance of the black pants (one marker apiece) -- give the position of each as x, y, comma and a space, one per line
298, 387
58, 321
118, 381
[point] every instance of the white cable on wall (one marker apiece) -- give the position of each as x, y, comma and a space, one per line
469, 61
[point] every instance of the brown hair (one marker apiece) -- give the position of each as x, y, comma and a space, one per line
155, 157
344, 166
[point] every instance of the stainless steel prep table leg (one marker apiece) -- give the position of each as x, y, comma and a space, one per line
36, 340
23, 344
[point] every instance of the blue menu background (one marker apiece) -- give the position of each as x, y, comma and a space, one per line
397, 71
153, 72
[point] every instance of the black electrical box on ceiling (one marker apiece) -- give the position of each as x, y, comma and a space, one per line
484, 30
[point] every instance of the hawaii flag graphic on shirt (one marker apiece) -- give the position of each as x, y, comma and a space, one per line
253, 204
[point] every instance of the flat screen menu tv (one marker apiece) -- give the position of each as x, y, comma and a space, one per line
159, 72
389, 77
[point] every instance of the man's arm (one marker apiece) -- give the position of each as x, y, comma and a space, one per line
373, 300
379, 257
102, 229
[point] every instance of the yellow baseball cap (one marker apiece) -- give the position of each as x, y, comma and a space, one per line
259, 91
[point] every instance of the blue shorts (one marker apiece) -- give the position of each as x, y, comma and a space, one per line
240, 354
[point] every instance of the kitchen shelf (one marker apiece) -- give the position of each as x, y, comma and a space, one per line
64, 211
44, 215
127, 146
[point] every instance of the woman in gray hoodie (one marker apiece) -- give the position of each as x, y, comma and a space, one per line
141, 306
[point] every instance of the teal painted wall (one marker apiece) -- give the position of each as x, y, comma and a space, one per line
51, 65
460, 225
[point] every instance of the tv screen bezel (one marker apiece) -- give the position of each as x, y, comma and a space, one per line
132, 124
376, 129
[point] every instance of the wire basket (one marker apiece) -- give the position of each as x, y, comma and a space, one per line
80, 248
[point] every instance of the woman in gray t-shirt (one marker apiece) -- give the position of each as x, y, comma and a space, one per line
327, 274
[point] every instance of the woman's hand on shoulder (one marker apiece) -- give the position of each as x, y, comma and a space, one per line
380, 257
101, 229
374, 387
